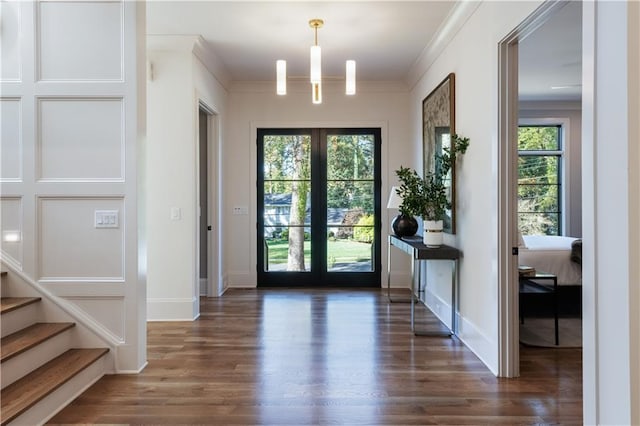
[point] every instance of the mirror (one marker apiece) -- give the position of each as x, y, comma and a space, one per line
438, 124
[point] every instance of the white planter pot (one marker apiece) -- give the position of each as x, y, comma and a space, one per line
432, 235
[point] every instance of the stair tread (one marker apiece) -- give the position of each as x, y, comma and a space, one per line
29, 337
26, 392
8, 304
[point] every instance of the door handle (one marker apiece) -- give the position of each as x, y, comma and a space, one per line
209, 228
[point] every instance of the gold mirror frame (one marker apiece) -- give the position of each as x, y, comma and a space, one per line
438, 124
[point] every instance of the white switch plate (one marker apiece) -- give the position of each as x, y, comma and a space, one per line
240, 210
106, 219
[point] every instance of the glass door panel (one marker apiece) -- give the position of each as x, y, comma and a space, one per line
350, 202
286, 202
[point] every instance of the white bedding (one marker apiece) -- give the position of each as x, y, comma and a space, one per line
551, 254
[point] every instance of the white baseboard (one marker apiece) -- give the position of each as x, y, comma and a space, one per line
172, 309
439, 307
468, 333
479, 344
241, 280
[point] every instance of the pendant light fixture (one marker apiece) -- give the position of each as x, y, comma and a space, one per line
315, 69
315, 63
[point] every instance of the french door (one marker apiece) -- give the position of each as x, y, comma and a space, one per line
319, 207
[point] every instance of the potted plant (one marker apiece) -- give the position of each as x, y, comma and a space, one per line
427, 196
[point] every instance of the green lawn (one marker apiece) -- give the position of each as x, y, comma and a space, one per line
338, 251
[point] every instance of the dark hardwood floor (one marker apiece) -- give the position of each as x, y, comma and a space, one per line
294, 357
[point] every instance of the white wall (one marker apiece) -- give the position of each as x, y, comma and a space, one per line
70, 129
611, 61
179, 81
254, 105
571, 111
472, 54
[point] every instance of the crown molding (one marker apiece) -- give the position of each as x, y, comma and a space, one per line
456, 19
196, 45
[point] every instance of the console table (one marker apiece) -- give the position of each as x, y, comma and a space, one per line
414, 247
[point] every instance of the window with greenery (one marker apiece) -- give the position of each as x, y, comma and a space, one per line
318, 202
540, 158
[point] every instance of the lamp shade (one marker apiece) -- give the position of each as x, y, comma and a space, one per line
281, 77
316, 64
394, 199
350, 88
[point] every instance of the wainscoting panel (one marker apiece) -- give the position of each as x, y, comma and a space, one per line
81, 139
72, 96
108, 311
10, 17
89, 48
11, 221
72, 247
10, 140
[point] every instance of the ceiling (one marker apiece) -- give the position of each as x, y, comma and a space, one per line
550, 59
385, 38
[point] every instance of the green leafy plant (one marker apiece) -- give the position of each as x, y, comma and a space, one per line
427, 196
364, 231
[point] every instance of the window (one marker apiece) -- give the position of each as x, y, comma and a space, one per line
540, 179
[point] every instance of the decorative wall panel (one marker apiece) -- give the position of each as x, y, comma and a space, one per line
108, 311
11, 225
10, 140
70, 245
10, 66
80, 40
81, 139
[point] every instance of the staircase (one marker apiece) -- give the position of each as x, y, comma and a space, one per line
41, 370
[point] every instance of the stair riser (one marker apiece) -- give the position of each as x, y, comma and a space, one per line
19, 319
24, 363
61, 397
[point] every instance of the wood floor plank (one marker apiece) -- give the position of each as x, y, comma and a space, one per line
8, 304
24, 393
294, 357
27, 338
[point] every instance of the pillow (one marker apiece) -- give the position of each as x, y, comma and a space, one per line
521, 242
576, 251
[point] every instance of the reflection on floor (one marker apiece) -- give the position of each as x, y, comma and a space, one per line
293, 357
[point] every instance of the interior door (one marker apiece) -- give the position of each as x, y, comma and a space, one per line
319, 207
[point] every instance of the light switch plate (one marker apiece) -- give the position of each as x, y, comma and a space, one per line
106, 219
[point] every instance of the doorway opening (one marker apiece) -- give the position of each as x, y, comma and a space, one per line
531, 106
319, 207
207, 218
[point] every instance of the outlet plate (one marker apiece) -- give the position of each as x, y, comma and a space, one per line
240, 210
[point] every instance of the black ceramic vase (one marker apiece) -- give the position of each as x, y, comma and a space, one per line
404, 226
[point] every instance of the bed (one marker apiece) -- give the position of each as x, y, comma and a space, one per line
553, 254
